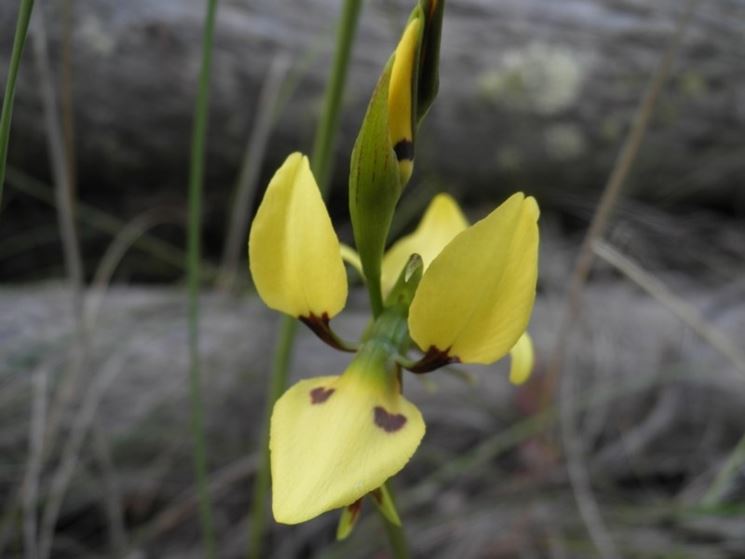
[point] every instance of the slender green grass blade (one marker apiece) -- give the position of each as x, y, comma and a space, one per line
24, 16
196, 179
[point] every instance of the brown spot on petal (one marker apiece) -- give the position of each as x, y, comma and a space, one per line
320, 395
388, 422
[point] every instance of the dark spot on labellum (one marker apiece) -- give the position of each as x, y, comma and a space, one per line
404, 150
320, 395
388, 422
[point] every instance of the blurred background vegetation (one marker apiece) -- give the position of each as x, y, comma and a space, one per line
536, 95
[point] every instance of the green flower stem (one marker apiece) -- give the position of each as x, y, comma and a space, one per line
24, 16
376, 297
323, 143
277, 384
196, 178
321, 164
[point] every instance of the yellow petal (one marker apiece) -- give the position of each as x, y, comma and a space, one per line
294, 253
442, 221
522, 359
475, 299
400, 98
335, 439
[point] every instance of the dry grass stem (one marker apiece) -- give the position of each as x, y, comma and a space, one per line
578, 475
117, 249
686, 312
65, 213
30, 485
106, 223
71, 451
111, 494
62, 185
176, 514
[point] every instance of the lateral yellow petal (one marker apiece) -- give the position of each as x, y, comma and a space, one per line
294, 253
522, 359
335, 439
401, 98
442, 220
475, 299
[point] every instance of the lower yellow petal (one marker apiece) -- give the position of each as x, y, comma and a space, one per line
335, 439
522, 359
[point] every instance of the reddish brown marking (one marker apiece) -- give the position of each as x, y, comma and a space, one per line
354, 510
377, 495
388, 422
320, 395
321, 328
433, 359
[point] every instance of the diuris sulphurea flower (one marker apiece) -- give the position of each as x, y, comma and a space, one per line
462, 294
453, 291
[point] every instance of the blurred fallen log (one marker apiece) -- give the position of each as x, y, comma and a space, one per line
534, 94
633, 356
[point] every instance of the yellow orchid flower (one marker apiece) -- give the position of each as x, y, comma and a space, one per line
460, 292
466, 295
335, 439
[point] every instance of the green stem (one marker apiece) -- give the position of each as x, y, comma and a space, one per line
24, 16
196, 178
278, 381
321, 165
376, 297
396, 534
323, 143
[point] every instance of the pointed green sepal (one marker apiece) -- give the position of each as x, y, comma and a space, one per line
403, 290
385, 504
348, 520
